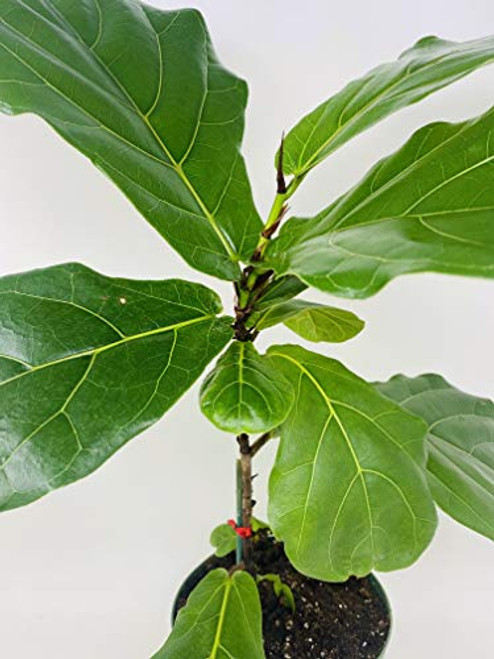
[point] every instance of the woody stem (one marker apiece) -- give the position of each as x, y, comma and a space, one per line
244, 502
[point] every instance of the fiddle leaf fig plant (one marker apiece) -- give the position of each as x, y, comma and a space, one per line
87, 362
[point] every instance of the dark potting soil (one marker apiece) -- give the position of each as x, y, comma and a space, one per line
331, 621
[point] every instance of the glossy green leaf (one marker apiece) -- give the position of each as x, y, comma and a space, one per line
223, 539
244, 392
280, 290
221, 620
141, 93
428, 66
428, 207
460, 445
314, 322
348, 492
88, 362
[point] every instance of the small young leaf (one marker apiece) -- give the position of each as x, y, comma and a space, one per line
245, 393
428, 66
224, 540
141, 93
460, 444
428, 207
88, 362
222, 619
282, 590
348, 492
314, 322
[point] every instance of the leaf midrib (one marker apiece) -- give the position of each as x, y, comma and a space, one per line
177, 166
342, 127
52, 417
110, 346
452, 450
404, 173
459, 470
221, 620
145, 119
359, 469
71, 303
322, 220
454, 493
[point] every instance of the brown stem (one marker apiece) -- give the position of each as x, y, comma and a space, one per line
246, 465
250, 287
280, 178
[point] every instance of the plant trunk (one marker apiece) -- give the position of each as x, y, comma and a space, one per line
246, 489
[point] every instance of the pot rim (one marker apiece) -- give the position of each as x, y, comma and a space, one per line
201, 570
385, 599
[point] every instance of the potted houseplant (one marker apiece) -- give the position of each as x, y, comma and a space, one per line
87, 361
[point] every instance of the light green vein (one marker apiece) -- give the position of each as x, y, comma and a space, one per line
144, 118
109, 346
221, 621
51, 418
360, 471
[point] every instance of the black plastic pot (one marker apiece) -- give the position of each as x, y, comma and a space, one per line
202, 570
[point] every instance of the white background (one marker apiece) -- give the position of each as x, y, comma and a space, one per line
90, 571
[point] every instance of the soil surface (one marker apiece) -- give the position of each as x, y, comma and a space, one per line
331, 621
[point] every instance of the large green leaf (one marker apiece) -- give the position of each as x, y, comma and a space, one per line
428, 66
460, 445
86, 363
142, 94
245, 393
430, 206
348, 492
222, 620
314, 322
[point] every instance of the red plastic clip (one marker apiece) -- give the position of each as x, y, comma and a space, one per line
241, 531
